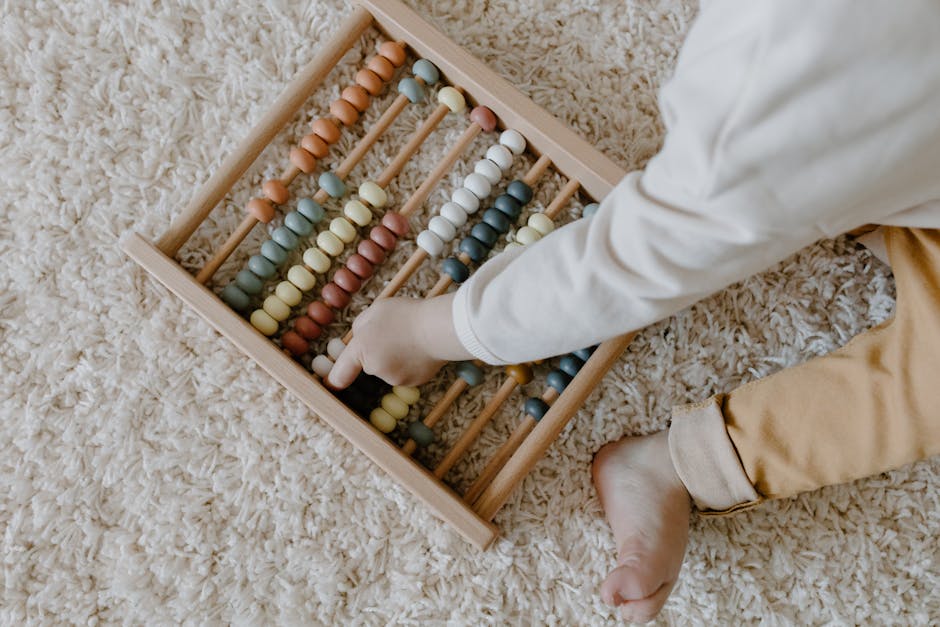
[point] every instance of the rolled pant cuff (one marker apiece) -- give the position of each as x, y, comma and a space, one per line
706, 461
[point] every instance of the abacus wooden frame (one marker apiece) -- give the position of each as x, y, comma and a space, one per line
570, 155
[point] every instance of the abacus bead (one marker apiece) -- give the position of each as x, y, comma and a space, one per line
489, 170
261, 266
262, 321
302, 160
430, 243
513, 140
412, 89
296, 345
344, 112
396, 223
536, 407
261, 209
512, 246
236, 298
541, 223
298, 224
307, 328
372, 252
370, 81
329, 243
527, 235
520, 372
396, 407
442, 228
343, 229
335, 348
316, 260
381, 235
470, 372
454, 213
288, 293
248, 282
484, 118
474, 248
420, 433
382, 67
500, 155
407, 393
357, 212
520, 191
485, 233
321, 366
509, 206
302, 278
498, 220
285, 238
382, 420
373, 194
466, 199
584, 353
426, 71
326, 130
273, 252
570, 365
315, 145
360, 266
275, 191
452, 99
345, 278
590, 210
334, 296
456, 269
332, 185
276, 308
394, 52
320, 313
357, 96
558, 380
477, 184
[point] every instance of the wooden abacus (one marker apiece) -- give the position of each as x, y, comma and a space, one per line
498, 103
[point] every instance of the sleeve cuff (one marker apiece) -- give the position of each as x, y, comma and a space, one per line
461, 319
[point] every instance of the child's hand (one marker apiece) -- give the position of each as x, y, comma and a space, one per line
400, 340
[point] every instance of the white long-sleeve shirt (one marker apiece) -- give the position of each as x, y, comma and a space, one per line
787, 122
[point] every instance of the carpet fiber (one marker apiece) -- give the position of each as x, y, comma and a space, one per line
152, 474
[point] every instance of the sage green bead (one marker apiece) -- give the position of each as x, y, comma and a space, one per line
426, 71
261, 266
412, 89
249, 283
590, 210
420, 433
470, 372
285, 238
310, 209
332, 185
297, 223
235, 297
273, 252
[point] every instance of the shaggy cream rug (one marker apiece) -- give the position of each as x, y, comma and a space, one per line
151, 474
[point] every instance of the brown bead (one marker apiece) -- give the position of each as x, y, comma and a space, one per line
315, 146
326, 130
520, 372
372, 252
394, 52
396, 223
307, 328
275, 191
302, 160
334, 296
360, 266
357, 96
320, 313
484, 118
383, 67
382, 236
297, 345
261, 209
370, 81
345, 278
344, 112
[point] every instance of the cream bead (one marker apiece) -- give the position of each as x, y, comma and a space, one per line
407, 393
500, 155
321, 366
541, 223
454, 213
276, 308
261, 320
334, 348
396, 407
316, 260
302, 278
382, 420
452, 98
343, 229
527, 235
329, 243
513, 140
289, 293
357, 212
512, 246
430, 242
442, 228
373, 194
466, 199
488, 169
478, 185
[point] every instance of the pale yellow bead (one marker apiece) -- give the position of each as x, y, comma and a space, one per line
452, 98
527, 235
343, 229
316, 260
373, 194
357, 212
288, 292
406, 393
276, 308
541, 223
263, 322
302, 278
382, 420
396, 407
329, 243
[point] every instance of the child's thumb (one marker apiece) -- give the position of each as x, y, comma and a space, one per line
346, 369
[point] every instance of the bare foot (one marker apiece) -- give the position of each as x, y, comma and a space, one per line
648, 509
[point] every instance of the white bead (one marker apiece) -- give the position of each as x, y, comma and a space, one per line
527, 235
334, 348
513, 140
478, 185
466, 199
430, 242
442, 228
512, 246
541, 223
454, 213
501, 156
322, 365
490, 170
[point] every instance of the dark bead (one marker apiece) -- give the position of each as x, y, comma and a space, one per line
420, 433
558, 380
474, 248
584, 353
498, 220
457, 270
536, 408
520, 191
470, 372
570, 365
485, 233
509, 206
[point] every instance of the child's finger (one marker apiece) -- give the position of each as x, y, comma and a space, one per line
346, 369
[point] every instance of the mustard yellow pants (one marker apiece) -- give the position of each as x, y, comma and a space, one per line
869, 407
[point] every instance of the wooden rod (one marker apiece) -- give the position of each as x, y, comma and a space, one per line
437, 412
409, 149
404, 273
569, 190
443, 167
281, 112
538, 168
226, 249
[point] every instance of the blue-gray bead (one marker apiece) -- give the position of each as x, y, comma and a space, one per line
332, 185
298, 224
474, 248
485, 233
285, 238
570, 365
536, 408
558, 380
261, 266
509, 206
584, 353
273, 252
469, 372
590, 210
420, 433
412, 90
249, 283
456, 269
520, 191
426, 71
235, 297
310, 209
498, 220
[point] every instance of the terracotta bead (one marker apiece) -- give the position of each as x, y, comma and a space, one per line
394, 52
372, 252
326, 130
307, 328
275, 191
334, 296
370, 81
302, 160
344, 112
360, 266
315, 146
396, 223
357, 96
382, 236
320, 313
345, 278
484, 118
296, 345
383, 67
261, 209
